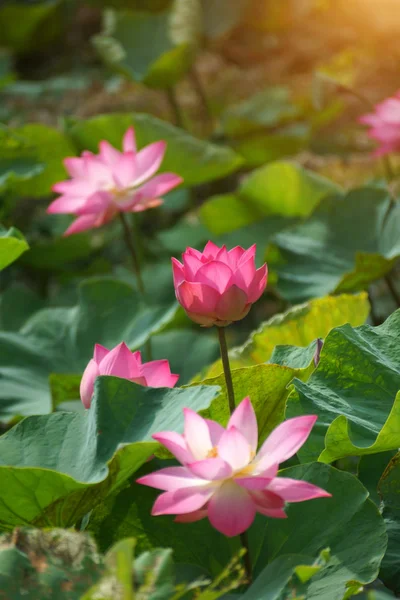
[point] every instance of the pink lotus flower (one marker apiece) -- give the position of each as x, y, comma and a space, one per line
223, 477
104, 184
217, 286
385, 125
121, 362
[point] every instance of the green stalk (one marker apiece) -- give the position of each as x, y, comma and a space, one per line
136, 267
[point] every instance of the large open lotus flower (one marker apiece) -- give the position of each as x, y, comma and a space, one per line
121, 362
104, 184
217, 286
224, 478
384, 125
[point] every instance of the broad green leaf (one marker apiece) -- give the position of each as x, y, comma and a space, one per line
124, 42
302, 324
184, 233
388, 489
49, 147
299, 326
55, 253
328, 254
265, 146
280, 189
195, 160
18, 161
266, 385
261, 233
64, 388
12, 245
370, 470
61, 340
26, 26
275, 579
349, 524
354, 392
17, 304
187, 350
268, 108
286, 189
92, 453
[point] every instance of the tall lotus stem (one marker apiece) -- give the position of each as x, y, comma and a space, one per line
227, 369
136, 267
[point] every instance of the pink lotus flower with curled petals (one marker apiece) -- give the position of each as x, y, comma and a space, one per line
104, 184
223, 477
217, 286
384, 125
121, 362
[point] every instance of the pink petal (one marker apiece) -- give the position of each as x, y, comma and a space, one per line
177, 272
273, 513
293, 490
249, 253
234, 256
158, 374
148, 161
245, 273
171, 479
231, 509
211, 250
244, 419
124, 171
87, 383
233, 305
98, 173
285, 440
258, 284
75, 166
159, 185
215, 274
222, 256
176, 444
216, 430
108, 153
83, 223
192, 252
192, 517
96, 203
129, 143
234, 449
118, 363
265, 501
197, 298
191, 265
182, 501
211, 468
196, 434
99, 353
203, 320
66, 205
254, 482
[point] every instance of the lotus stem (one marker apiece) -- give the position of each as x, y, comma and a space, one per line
227, 369
175, 108
136, 267
246, 558
392, 289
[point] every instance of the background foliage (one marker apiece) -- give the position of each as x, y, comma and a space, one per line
258, 103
